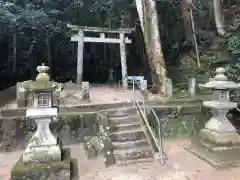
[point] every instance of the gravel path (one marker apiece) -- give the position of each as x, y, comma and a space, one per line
181, 165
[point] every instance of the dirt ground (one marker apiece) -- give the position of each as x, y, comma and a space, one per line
180, 165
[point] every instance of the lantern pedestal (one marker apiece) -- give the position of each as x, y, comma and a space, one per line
216, 155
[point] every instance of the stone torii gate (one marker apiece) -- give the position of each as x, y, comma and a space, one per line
81, 38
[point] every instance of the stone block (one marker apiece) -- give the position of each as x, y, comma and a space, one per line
144, 85
85, 91
219, 157
169, 88
192, 86
43, 171
21, 99
21, 103
55, 100
220, 138
21, 95
92, 146
42, 154
91, 151
109, 159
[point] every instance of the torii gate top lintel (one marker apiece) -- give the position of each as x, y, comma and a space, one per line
100, 29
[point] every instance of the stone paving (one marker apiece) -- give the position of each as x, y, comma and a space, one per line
180, 165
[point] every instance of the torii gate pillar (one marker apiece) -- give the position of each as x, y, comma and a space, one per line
123, 60
80, 57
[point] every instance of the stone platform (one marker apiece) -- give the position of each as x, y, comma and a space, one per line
43, 171
217, 156
98, 95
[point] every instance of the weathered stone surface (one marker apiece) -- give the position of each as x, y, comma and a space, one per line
46, 171
218, 143
125, 119
109, 158
130, 144
43, 146
133, 153
42, 154
220, 138
169, 88
21, 95
224, 157
92, 146
134, 134
127, 126
192, 86
71, 128
85, 91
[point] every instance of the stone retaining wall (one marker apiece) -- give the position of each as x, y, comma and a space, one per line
16, 131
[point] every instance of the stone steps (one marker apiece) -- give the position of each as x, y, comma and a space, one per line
123, 119
133, 161
130, 144
125, 126
128, 138
133, 153
127, 135
123, 112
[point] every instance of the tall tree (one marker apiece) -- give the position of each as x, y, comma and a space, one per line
149, 22
219, 20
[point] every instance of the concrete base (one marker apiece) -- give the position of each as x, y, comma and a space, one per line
220, 138
43, 171
217, 156
42, 154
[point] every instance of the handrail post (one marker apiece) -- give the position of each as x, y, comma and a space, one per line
160, 142
144, 106
133, 84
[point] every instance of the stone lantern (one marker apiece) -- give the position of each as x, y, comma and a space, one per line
218, 138
43, 157
220, 103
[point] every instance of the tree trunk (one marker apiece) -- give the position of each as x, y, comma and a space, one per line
149, 22
14, 53
218, 15
49, 54
186, 20
194, 35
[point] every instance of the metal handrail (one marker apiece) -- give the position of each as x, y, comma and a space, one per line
159, 142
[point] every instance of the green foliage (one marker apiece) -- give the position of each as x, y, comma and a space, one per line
201, 7
234, 43
233, 72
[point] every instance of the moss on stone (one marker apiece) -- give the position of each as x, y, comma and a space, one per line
38, 85
42, 170
221, 141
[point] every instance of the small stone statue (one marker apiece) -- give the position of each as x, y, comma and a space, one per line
109, 158
91, 151
110, 78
